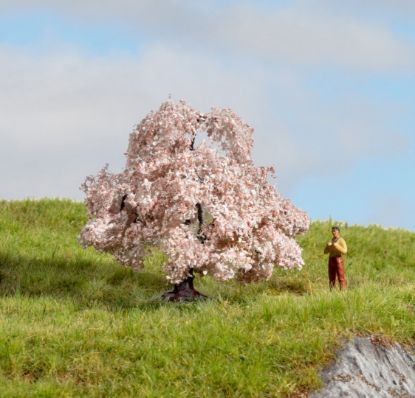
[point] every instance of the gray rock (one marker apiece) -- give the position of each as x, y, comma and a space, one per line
365, 368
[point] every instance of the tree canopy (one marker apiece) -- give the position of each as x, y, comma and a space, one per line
204, 203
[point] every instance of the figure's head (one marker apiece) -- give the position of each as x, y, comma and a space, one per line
335, 232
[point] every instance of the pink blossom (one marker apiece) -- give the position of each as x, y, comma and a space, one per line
246, 228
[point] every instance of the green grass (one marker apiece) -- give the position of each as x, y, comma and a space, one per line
75, 323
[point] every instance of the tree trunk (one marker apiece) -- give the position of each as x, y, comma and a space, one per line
184, 291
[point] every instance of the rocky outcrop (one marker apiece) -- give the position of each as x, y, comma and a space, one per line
370, 367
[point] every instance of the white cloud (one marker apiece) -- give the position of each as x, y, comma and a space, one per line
301, 36
66, 113
401, 8
301, 33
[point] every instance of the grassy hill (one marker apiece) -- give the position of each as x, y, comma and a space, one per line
75, 323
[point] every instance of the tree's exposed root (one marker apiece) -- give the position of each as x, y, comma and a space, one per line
184, 291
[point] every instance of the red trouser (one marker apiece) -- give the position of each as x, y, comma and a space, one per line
336, 268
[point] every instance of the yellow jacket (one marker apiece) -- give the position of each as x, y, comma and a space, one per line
337, 248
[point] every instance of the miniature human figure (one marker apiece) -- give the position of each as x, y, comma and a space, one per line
336, 248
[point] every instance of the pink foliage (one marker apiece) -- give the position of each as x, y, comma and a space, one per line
246, 228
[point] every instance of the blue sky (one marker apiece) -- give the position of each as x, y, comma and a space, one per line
329, 87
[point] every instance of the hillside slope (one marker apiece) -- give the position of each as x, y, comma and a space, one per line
73, 322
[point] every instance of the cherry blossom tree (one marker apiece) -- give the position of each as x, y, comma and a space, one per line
203, 202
